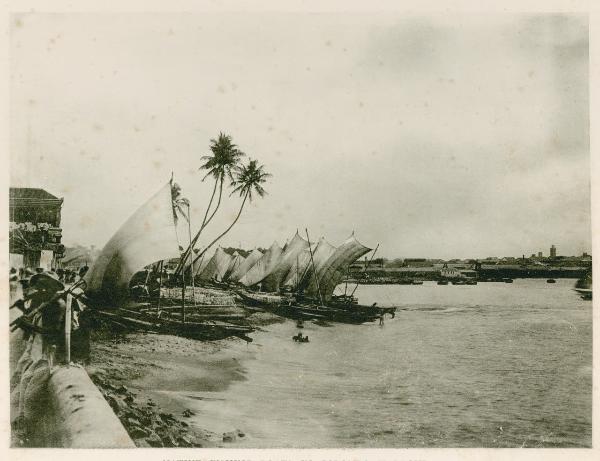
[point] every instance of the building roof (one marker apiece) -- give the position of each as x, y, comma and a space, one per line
30, 193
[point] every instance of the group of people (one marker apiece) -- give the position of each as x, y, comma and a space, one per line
23, 275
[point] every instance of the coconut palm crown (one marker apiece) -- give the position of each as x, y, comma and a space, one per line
224, 159
249, 178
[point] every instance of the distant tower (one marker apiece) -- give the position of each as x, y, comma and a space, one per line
553, 251
540, 255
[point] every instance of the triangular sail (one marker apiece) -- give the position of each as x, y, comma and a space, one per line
321, 254
201, 264
297, 271
263, 266
216, 267
334, 268
146, 237
292, 250
245, 266
236, 260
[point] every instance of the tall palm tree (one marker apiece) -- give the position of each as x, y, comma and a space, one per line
224, 160
249, 179
220, 165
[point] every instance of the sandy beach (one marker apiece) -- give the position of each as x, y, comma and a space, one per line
139, 373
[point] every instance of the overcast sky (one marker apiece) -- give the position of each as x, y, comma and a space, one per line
435, 136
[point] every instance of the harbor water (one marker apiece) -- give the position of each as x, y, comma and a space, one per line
491, 365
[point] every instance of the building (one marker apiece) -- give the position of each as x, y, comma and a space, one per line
553, 251
540, 255
417, 262
34, 229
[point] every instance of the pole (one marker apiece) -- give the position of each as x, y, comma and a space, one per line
159, 266
347, 274
297, 277
192, 266
69, 301
146, 281
183, 297
313, 265
365, 271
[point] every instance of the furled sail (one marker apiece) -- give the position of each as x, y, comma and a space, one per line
236, 260
335, 267
216, 267
146, 237
293, 248
321, 254
246, 265
263, 266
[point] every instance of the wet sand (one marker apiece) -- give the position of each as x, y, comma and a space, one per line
140, 376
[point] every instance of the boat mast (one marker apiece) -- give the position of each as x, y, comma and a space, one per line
313, 265
183, 297
159, 266
365, 271
189, 220
347, 274
297, 277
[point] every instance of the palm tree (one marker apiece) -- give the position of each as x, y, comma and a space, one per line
249, 179
224, 160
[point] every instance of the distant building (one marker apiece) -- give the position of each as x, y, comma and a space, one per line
417, 262
540, 254
34, 229
553, 251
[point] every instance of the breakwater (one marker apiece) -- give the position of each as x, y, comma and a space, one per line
57, 405
380, 276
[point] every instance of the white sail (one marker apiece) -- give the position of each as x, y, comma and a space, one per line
292, 250
201, 264
246, 265
216, 267
298, 270
263, 266
321, 254
146, 237
236, 260
337, 264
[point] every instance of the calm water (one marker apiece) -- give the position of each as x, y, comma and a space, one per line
492, 365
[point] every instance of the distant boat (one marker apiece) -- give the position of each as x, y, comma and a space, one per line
550, 281
507, 280
442, 282
417, 282
583, 286
471, 282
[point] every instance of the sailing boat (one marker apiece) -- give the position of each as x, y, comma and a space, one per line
147, 237
311, 276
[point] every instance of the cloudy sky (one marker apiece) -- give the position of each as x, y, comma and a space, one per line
435, 136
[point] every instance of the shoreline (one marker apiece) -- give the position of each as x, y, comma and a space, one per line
138, 373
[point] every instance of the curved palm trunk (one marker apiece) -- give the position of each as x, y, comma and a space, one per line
224, 232
205, 223
210, 202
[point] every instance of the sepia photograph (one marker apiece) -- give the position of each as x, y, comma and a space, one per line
302, 229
